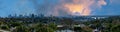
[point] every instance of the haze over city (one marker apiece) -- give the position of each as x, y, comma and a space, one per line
59, 15
59, 7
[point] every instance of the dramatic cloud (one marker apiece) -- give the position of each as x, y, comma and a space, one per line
67, 7
79, 7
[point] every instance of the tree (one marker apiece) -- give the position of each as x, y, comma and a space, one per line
53, 26
115, 28
21, 29
4, 27
44, 28
14, 24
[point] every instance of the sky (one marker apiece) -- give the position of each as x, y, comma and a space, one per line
59, 7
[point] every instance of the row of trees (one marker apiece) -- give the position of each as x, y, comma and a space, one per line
110, 24
23, 27
49, 24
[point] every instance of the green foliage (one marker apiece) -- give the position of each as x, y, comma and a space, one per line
4, 27
116, 28
22, 24
44, 29
53, 26
14, 24
21, 29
